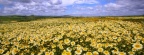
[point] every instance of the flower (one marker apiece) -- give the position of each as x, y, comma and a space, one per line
119, 39
85, 49
134, 49
53, 45
131, 53
46, 53
32, 53
1, 51
142, 40
66, 41
14, 51
137, 46
51, 53
99, 45
93, 44
56, 40
95, 53
43, 49
106, 52
40, 53
79, 46
122, 53
69, 49
115, 51
115, 37
66, 53
89, 53
139, 37
48, 37
100, 49
78, 51
60, 46
106, 45
72, 43
88, 39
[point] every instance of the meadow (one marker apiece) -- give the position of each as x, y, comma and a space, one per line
73, 36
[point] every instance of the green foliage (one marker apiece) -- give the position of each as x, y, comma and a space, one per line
9, 19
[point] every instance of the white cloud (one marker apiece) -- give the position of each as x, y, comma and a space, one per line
91, 8
72, 2
86, 2
68, 2
113, 5
46, 4
58, 7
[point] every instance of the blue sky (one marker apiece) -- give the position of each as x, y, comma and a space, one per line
1, 6
72, 7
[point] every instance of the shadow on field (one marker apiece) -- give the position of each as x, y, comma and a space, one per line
134, 20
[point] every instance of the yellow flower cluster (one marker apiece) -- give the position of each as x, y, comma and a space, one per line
72, 37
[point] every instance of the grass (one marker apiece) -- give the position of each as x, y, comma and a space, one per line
15, 18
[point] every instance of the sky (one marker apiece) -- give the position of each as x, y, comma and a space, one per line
72, 7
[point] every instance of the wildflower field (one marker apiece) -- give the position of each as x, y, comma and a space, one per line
65, 36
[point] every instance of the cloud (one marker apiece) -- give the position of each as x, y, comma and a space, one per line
120, 7
68, 2
22, 1
32, 7
86, 2
60, 7
126, 7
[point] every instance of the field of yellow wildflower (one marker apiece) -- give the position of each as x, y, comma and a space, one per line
72, 37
